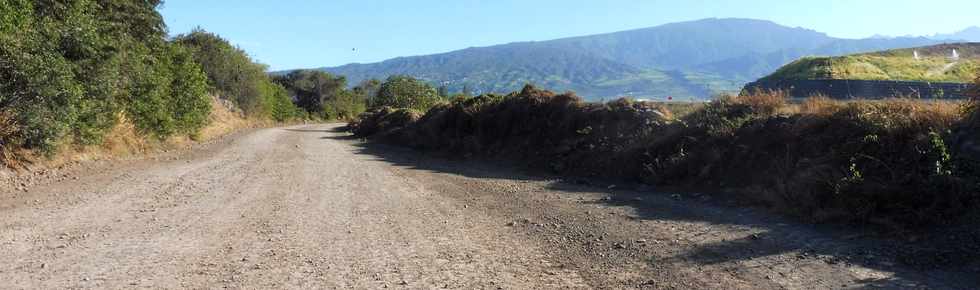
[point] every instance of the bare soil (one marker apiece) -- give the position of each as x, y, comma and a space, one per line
309, 207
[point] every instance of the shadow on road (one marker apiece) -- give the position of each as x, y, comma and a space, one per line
766, 234
337, 129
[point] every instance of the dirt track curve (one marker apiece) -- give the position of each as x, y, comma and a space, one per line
306, 207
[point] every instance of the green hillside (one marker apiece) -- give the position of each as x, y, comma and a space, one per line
934, 63
694, 59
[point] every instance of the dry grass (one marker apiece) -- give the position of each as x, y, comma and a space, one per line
819, 105
8, 129
224, 120
973, 108
120, 142
124, 141
766, 102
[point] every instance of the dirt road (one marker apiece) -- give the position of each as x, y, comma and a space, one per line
305, 207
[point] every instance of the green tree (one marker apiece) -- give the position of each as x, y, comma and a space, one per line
406, 92
369, 89
280, 105
69, 67
172, 97
231, 72
312, 88
189, 102
346, 105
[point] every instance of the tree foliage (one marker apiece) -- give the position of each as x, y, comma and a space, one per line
314, 90
277, 102
369, 89
231, 72
69, 67
234, 76
406, 92
345, 105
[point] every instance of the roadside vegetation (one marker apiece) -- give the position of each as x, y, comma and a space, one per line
894, 163
327, 97
87, 73
69, 69
235, 77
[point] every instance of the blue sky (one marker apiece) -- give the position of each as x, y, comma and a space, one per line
288, 34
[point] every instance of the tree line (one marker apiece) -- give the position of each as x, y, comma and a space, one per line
327, 96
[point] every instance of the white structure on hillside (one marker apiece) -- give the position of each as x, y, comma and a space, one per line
915, 53
955, 56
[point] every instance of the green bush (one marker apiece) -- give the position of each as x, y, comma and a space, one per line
230, 71
406, 92
189, 104
68, 68
312, 89
277, 102
172, 97
346, 105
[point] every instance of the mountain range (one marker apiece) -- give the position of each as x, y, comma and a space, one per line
694, 59
971, 34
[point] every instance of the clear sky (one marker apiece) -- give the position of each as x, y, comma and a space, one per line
287, 34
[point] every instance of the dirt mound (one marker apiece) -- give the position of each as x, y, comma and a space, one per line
560, 132
881, 162
383, 121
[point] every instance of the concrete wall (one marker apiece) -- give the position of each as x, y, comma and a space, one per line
857, 89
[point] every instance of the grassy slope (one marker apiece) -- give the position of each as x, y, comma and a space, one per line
934, 65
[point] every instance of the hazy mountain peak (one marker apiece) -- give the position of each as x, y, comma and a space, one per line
693, 58
971, 34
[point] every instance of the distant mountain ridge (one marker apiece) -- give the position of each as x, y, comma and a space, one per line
971, 34
686, 60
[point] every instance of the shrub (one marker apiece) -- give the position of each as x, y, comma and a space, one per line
765, 102
346, 105
973, 108
537, 126
8, 134
868, 161
882, 162
379, 121
68, 68
277, 103
406, 92
189, 103
230, 71
819, 105
721, 117
171, 98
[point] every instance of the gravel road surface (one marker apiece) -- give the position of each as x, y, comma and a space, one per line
309, 207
